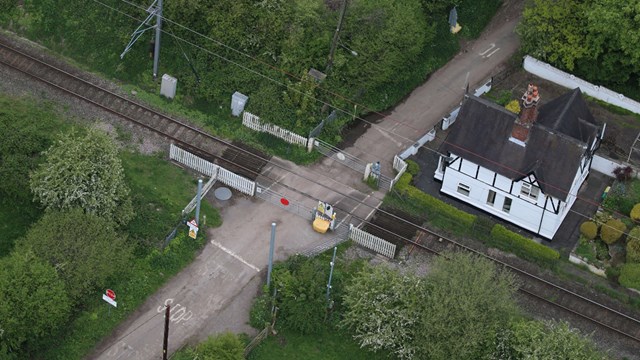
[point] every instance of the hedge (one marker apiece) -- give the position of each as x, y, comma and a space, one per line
630, 276
438, 212
525, 248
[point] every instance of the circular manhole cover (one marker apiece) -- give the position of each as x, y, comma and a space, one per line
222, 193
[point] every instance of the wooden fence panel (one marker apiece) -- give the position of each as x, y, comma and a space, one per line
253, 122
237, 182
372, 242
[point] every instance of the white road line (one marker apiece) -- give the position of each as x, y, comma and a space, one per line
234, 255
489, 49
493, 52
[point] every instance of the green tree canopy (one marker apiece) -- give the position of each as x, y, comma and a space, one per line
544, 340
84, 248
469, 298
594, 39
454, 312
382, 308
83, 170
33, 300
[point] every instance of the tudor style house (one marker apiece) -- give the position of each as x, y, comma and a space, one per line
524, 168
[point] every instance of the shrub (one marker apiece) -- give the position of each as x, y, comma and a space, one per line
602, 250
412, 167
613, 272
635, 212
633, 246
513, 106
630, 276
589, 229
612, 231
528, 249
260, 314
438, 211
623, 173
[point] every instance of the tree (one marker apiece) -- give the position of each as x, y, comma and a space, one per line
84, 248
544, 340
468, 301
301, 297
33, 301
382, 308
83, 171
226, 346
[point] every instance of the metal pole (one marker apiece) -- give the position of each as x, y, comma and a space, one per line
333, 262
271, 245
165, 343
156, 51
336, 35
198, 198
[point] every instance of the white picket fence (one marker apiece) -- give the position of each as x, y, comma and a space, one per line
237, 182
216, 172
192, 161
253, 122
400, 166
372, 242
548, 72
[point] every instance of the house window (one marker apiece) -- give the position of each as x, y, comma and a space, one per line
506, 207
491, 198
530, 191
464, 189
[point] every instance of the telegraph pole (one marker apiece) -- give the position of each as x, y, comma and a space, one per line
336, 36
165, 343
156, 51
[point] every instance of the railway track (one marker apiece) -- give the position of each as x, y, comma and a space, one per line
240, 159
249, 163
531, 284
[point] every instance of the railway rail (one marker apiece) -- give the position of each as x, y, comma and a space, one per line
249, 163
531, 284
238, 158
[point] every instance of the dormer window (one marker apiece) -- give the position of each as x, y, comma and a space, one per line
530, 191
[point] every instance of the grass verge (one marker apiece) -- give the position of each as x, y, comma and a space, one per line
328, 345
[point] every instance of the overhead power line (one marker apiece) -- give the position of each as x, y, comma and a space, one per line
336, 108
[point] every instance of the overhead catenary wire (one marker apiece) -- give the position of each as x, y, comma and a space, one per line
336, 108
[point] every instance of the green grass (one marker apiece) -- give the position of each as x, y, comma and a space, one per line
95, 321
330, 345
586, 250
15, 220
160, 191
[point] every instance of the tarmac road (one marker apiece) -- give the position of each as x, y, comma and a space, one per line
214, 293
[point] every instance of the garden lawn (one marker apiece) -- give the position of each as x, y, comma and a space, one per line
328, 345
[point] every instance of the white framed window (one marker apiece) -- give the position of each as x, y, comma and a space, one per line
464, 189
506, 206
530, 191
491, 197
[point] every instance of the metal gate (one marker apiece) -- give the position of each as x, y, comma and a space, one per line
289, 205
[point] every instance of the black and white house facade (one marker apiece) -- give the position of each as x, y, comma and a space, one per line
524, 168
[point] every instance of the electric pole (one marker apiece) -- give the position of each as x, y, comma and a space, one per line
155, 10
165, 343
271, 246
336, 36
156, 51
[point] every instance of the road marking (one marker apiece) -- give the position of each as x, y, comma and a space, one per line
493, 52
489, 49
234, 255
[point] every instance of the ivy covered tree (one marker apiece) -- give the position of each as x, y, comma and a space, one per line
84, 248
33, 300
84, 171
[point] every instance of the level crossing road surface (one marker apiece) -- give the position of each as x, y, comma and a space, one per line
214, 293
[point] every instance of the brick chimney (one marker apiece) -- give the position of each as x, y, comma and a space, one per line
527, 117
